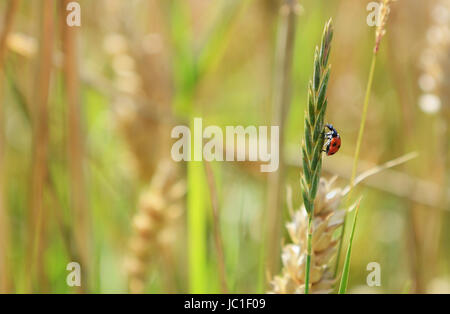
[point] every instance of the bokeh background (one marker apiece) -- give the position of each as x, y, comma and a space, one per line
86, 115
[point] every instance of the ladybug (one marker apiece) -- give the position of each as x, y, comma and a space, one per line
333, 141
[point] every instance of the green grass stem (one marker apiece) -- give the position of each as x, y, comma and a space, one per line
356, 157
346, 270
308, 256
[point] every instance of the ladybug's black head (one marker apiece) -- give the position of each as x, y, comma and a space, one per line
332, 129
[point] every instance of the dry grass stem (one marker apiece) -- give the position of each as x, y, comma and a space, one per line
280, 107
5, 281
75, 147
40, 145
380, 168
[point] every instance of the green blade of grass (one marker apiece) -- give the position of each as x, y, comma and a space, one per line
185, 67
197, 228
18, 94
346, 270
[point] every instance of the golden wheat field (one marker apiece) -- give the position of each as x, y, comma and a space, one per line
225, 147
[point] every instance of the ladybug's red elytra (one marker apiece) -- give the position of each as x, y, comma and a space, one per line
333, 141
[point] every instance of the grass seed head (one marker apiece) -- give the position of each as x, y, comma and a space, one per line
382, 21
314, 119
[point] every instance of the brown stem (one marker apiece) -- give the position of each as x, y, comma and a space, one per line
5, 280
280, 104
75, 149
414, 248
40, 143
216, 223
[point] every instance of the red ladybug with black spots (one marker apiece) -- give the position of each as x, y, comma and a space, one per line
333, 141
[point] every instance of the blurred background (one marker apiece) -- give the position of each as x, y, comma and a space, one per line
86, 116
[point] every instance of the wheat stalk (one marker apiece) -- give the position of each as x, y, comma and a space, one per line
313, 138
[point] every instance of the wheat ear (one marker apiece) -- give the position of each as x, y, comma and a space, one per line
327, 218
313, 138
159, 206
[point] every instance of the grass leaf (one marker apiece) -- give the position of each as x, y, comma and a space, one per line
346, 270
